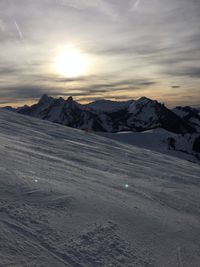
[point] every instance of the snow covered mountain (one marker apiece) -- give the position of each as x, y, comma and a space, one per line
190, 115
109, 116
67, 112
108, 105
72, 198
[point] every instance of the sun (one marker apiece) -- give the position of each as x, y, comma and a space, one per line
71, 63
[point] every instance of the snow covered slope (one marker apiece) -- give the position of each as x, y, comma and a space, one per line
71, 198
108, 105
159, 140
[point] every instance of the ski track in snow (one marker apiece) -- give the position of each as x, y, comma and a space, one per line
71, 198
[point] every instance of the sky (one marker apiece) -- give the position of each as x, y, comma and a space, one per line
94, 49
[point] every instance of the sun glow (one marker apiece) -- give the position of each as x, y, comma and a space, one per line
71, 63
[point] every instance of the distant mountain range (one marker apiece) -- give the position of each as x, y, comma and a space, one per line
111, 116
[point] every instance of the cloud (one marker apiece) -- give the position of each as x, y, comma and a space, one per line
135, 5
24, 92
175, 86
192, 72
29, 92
135, 45
99, 5
7, 70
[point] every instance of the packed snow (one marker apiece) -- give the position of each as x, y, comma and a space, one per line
72, 198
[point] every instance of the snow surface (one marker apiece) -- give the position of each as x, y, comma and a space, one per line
108, 105
71, 198
157, 140
179, 112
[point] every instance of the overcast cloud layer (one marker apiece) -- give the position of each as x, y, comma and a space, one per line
136, 47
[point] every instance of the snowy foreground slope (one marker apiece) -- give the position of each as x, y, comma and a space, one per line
70, 198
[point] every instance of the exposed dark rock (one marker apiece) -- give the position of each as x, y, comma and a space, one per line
196, 145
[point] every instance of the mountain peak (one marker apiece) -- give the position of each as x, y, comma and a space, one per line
70, 99
140, 103
45, 99
144, 100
